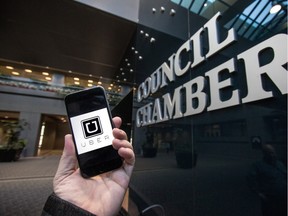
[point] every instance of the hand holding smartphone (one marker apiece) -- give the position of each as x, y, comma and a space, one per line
91, 124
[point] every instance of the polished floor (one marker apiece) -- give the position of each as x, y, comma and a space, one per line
203, 190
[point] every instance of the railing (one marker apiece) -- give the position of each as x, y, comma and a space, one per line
20, 82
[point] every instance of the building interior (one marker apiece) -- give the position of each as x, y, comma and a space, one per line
51, 48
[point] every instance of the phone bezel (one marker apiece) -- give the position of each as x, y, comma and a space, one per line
100, 160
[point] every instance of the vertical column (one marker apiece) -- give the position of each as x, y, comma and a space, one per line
31, 132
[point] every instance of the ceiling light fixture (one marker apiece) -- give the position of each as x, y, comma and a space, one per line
15, 73
9, 67
172, 12
45, 73
28, 70
276, 7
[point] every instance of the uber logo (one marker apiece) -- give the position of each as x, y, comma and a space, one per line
91, 127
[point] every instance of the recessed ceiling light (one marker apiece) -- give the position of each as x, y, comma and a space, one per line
76, 83
28, 70
48, 78
15, 73
99, 82
9, 67
76, 78
45, 73
89, 84
90, 81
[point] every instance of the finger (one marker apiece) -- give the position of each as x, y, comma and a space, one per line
119, 134
128, 155
117, 121
129, 160
119, 143
68, 161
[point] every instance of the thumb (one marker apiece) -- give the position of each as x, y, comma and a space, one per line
68, 161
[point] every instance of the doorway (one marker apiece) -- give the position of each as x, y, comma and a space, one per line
52, 133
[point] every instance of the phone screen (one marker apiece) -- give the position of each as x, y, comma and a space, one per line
92, 130
92, 126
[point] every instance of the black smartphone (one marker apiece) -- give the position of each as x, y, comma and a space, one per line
91, 125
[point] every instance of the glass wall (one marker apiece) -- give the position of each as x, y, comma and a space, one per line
210, 108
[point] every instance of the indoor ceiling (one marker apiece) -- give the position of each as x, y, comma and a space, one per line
73, 37
64, 35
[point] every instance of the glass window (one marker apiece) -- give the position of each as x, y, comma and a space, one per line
197, 138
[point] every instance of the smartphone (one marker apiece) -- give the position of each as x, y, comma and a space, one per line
91, 125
